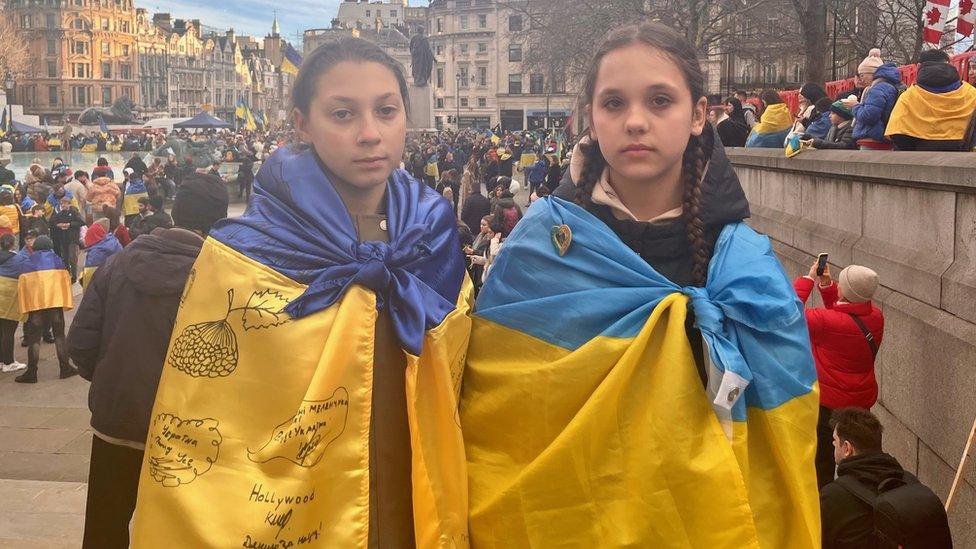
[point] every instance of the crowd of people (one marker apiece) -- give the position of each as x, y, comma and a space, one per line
936, 113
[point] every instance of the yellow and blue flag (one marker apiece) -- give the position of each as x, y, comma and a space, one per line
4, 122
795, 145
233, 441
291, 60
10, 270
596, 430
240, 110
97, 255
43, 283
134, 190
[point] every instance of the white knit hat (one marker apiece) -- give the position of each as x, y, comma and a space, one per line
871, 62
857, 284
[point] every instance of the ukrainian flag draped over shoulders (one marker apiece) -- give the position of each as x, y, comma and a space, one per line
97, 255
9, 275
934, 116
260, 432
43, 283
590, 425
134, 190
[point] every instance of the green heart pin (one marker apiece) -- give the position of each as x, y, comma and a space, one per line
562, 237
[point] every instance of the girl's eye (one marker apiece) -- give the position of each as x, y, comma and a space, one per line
612, 103
661, 101
388, 110
341, 114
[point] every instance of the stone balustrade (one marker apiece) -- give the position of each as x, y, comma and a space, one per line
912, 218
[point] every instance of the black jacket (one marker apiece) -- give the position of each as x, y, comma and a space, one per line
65, 237
732, 133
847, 522
121, 332
476, 206
838, 137
6, 176
156, 220
137, 165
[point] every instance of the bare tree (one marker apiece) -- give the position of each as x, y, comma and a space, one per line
15, 58
813, 18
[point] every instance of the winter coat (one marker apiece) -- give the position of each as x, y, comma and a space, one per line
64, 238
872, 113
732, 133
122, 353
102, 171
847, 522
476, 206
845, 365
137, 165
537, 173
103, 192
553, 175
6, 176
839, 137
819, 127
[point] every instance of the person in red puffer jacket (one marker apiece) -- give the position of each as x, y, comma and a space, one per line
841, 349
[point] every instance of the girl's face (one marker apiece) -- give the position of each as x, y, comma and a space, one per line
643, 119
356, 123
484, 227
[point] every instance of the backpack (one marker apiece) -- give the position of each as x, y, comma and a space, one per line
907, 514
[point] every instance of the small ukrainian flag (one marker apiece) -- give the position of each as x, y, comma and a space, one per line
291, 61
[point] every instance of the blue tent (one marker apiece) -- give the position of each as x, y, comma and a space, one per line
23, 128
203, 120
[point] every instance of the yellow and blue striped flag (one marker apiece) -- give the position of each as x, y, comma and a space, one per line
102, 127
291, 61
4, 122
43, 283
626, 446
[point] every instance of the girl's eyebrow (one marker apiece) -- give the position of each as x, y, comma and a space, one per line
344, 99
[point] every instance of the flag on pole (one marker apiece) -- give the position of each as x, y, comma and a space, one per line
102, 127
933, 20
4, 122
291, 60
240, 111
966, 19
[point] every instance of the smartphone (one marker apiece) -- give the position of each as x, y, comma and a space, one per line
821, 263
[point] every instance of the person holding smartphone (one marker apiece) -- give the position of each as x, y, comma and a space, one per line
845, 335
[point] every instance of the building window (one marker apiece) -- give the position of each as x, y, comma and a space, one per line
78, 24
105, 24
106, 69
106, 48
558, 83
482, 21
482, 47
797, 73
25, 21
439, 103
769, 73
125, 50
515, 84
464, 101
393, 13
80, 47
464, 49
125, 26
463, 20
52, 47
79, 2
81, 70
52, 95
125, 71
440, 50
81, 95
440, 24
482, 102
515, 52
536, 84
514, 23
106, 95
463, 71
482, 76
52, 69
440, 77
50, 21
368, 12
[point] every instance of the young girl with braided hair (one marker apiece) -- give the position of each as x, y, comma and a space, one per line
656, 386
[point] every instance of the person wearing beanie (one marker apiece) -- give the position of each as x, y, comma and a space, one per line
867, 68
44, 293
845, 334
818, 124
810, 93
122, 354
841, 133
100, 245
933, 113
873, 110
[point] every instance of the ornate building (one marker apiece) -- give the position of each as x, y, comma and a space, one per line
153, 48
84, 54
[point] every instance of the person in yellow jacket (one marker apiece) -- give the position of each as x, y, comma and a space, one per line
309, 395
933, 113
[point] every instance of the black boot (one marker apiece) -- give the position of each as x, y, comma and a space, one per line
68, 371
30, 376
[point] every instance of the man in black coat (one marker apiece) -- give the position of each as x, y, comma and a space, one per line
122, 353
157, 218
476, 206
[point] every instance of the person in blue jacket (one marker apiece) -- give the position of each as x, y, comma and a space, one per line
872, 111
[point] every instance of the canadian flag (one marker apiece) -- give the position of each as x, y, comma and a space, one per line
934, 19
966, 19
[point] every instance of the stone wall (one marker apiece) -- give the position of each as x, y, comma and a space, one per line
912, 218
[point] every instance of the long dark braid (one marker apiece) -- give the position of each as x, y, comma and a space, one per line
694, 161
593, 164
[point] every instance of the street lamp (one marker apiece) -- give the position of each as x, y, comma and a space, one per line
457, 100
8, 84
